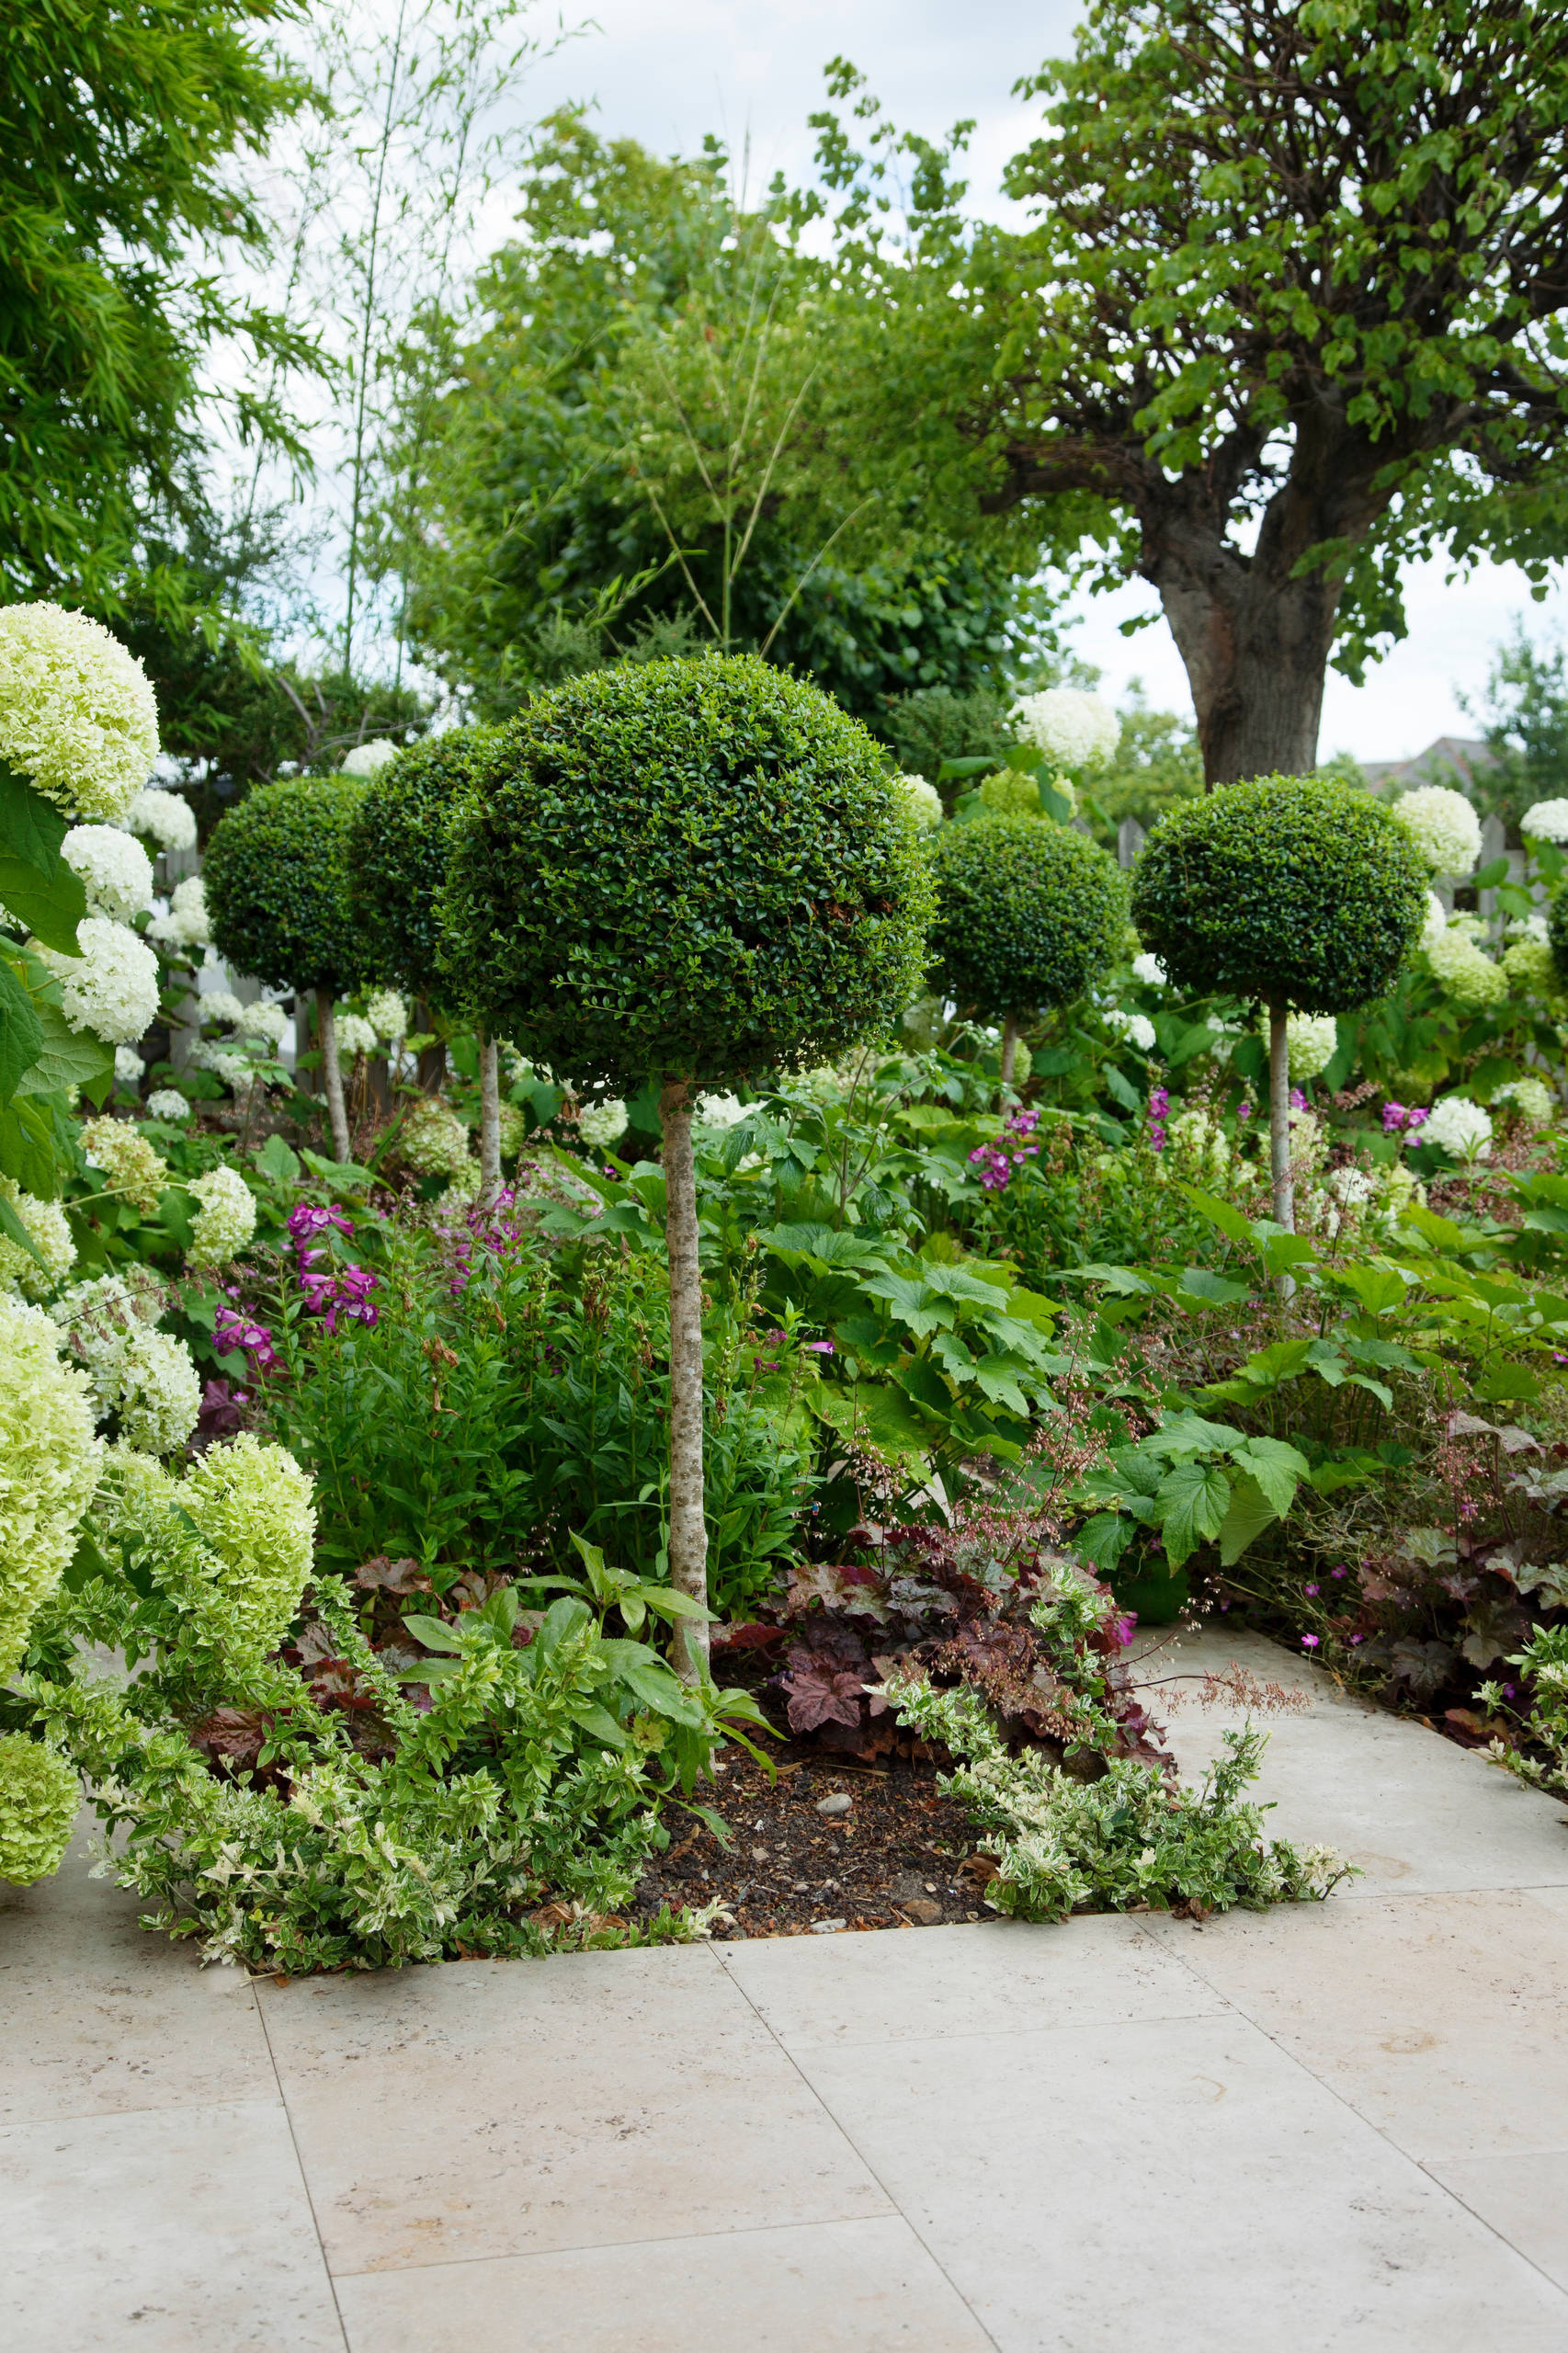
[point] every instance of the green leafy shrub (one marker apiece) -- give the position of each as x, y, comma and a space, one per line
397, 858
1029, 914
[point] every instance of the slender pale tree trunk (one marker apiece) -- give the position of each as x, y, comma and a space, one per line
332, 1074
688, 1527
1009, 1047
488, 1118
431, 1072
1280, 1129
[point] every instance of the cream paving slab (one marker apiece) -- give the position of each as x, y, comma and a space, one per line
101, 2016
823, 1991
1185, 2177
1417, 1812
1437, 2018
492, 2108
181, 2230
867, 2287
1525, 2200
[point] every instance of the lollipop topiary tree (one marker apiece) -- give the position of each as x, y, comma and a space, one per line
691, 872
1298, 892
1029, 914
276, 876
397, 866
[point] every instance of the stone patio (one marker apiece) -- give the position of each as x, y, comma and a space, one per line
1343, 2126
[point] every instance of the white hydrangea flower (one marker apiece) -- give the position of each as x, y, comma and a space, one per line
222, 1006
145, 1376
116, 873
111, 988
925, 802
225, 1219
128, 1160
1150, 971
1461, 1126
77, 714
49, 1469
1437, 923
602, 1124
1530, 966
1458, 964
365, 759
167, 1103
1074, 730
387, 1013
255, 1508
129, 1066
1545, 820
1311, 1041
166, 818
1531, 1096
1531, 926
187, 923
236, 1069
89, 1311
264, 1020
1444, 827
49, 1231
1352, 1187
719, 1110
434, 1141
1136, 1028
356, 1036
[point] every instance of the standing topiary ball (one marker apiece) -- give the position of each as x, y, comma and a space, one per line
1557, 935
1029, 914
1298, 891
692, 872
277, 886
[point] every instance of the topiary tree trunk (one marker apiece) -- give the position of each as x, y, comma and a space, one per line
689, 1526
1009, 1047
1279, 1117
332, 1075
488, 1118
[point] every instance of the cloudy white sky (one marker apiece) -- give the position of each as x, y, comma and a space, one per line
666, 73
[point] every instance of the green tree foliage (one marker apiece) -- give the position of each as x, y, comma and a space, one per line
1156, 764
397, 858
1291, 310
122, 132
276, 873
933, 724
656, 423
1525, 713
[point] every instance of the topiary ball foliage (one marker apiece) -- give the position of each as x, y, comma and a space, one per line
1557, 931
684, 868
1296, 890
1029, 913
276, 874
398, 855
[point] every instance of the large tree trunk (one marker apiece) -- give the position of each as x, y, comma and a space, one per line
489, 1120
332, 1075
688, 1527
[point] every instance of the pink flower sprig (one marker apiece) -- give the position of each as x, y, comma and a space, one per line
232, 1329
1399, 1118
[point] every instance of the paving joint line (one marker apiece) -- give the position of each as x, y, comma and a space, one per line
304, 2175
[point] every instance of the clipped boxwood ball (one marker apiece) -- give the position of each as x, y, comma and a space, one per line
686, 869
1029, 913
1557, 931
276, 876
398, 854
1296, 890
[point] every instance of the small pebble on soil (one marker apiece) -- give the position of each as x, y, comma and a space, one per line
824, 1848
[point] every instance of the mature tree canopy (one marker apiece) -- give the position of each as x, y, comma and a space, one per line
120, 122
660, 418
1291, 309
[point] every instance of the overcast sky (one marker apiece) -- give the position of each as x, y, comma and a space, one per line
666, 73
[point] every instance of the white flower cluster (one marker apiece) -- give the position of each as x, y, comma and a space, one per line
1545, 820
1074, 730
1534, 926
925, 802
356, 1036
49, 1231
1530, 967
77, 715
1437, 923
387, 1013
49, 1467
719, 1111
128, 1160
265, 1020
434, 1141
222, 1006
129, 1066
225, 1218
167, 1103
111, 988
116, 873
366, 760
144, 1376
1312, 1040
1461, 1126
1530, 1097
511, 1128
1136, 1028
225, 1061
1150, 971
166, 818
1459, 966
602, 1124
1443, 825
186, 924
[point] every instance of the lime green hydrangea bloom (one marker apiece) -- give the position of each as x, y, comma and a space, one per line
77, 714
46, 1222
49, 1467
39, 1795
253, 1504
